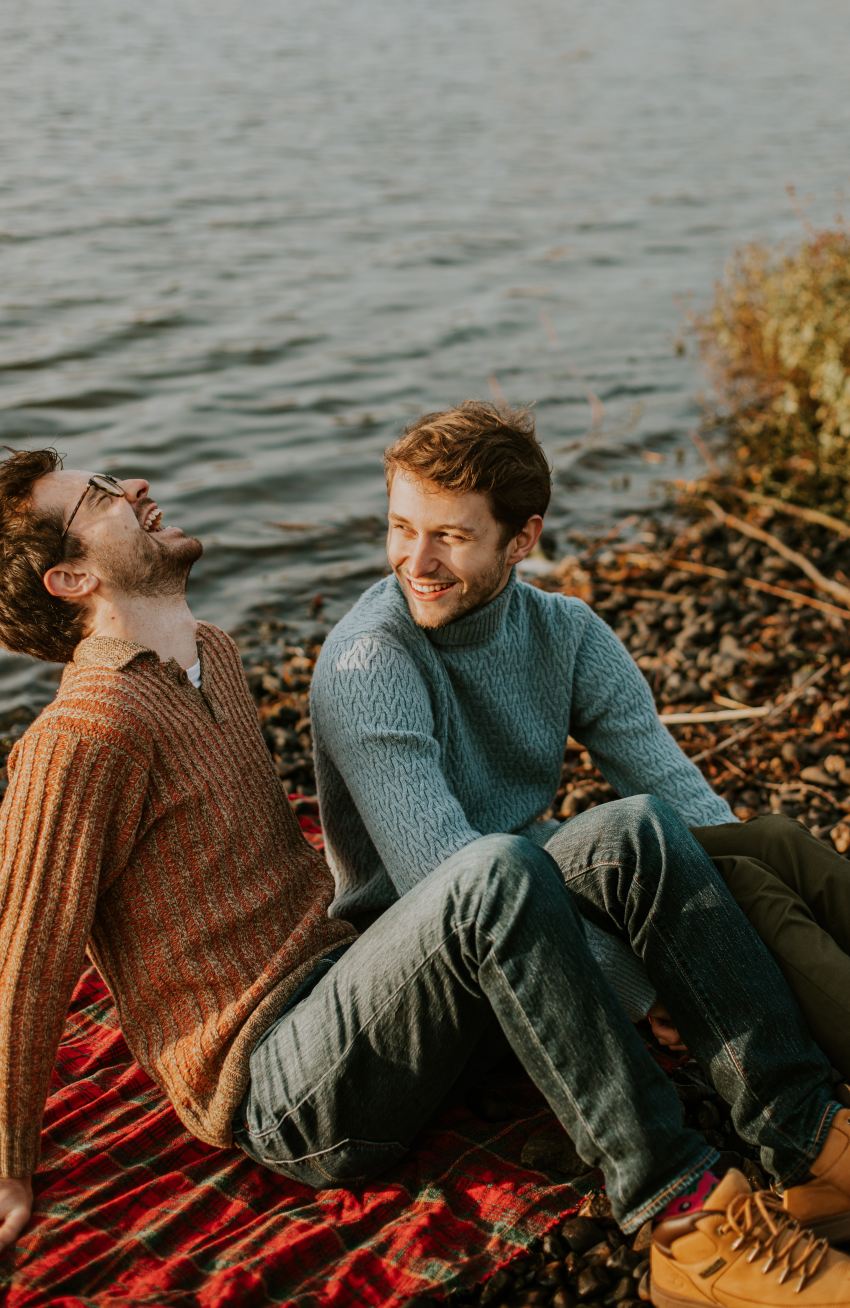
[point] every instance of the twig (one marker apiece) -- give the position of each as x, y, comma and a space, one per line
723, 574
701, 569
642, 559
715, 715
797, 597
775, 710
807, 788
833, 588
644, 592
795, 511
723, 701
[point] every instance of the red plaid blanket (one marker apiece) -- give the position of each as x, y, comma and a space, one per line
131, 1210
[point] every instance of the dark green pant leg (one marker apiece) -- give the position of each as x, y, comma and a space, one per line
809, 867
795, 890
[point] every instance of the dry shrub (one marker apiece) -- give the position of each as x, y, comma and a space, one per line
777, 342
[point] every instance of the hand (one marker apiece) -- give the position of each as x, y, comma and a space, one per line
15, 1207
661, 1024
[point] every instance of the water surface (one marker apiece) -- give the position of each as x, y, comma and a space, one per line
241, 245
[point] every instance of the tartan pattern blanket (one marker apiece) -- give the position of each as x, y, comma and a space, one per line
131, 1210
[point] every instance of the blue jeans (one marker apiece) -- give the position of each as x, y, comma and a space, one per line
341, 1084
634, 869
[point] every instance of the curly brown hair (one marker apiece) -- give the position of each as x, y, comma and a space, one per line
32, 621
481, 447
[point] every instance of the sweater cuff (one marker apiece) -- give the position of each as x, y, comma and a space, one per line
18, 1158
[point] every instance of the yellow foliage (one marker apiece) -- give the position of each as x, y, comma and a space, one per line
777, 341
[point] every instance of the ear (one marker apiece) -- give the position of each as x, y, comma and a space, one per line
68, 582
521, 545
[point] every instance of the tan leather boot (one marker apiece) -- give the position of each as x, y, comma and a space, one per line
823, 1204
741, 1249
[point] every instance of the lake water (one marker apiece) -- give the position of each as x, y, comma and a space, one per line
242, 244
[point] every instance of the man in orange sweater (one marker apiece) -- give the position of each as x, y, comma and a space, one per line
144, 824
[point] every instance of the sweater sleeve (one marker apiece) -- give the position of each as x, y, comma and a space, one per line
615, 717
69, 815
372, 716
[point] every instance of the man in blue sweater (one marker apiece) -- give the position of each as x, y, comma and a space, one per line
442, 704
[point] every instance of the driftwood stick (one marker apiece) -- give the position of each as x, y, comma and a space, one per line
777, 708
715, 715
644, 592
723, 574
833, 588
804, 787
797, 597
675, 565
700, 569
795, 511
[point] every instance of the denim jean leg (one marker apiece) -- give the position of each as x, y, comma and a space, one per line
634, 867
347, 1078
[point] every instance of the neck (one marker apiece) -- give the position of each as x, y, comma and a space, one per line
162, 623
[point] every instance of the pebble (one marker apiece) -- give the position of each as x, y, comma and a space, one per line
840, 835
581, 1234
589, 1281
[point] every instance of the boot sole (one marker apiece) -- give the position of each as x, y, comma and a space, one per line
661, 1299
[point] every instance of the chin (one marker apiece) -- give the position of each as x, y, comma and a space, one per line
430, 620
185, 550
192, 549
433, 615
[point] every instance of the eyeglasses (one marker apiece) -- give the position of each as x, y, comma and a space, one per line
100, 481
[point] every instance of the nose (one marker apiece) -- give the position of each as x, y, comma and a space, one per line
135, 488
422, 559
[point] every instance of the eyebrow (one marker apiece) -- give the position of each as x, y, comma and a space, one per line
443, 526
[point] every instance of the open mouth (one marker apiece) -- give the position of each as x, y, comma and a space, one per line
430, 590
153, 521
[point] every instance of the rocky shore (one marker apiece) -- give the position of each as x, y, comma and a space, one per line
749, 659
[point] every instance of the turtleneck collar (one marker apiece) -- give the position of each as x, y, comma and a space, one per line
477, 627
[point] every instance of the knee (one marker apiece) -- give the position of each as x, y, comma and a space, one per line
772, 832
494, 862
649, 812
507, 855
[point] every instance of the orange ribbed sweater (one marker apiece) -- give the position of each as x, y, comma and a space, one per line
144, 823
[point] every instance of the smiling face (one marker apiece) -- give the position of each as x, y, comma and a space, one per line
122, 537
447, 550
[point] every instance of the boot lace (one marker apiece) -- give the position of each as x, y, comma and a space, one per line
760, 1220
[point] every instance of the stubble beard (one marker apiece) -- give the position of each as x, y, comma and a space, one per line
477, 594
155, 570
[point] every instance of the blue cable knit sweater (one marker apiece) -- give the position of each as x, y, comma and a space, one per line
427, 739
